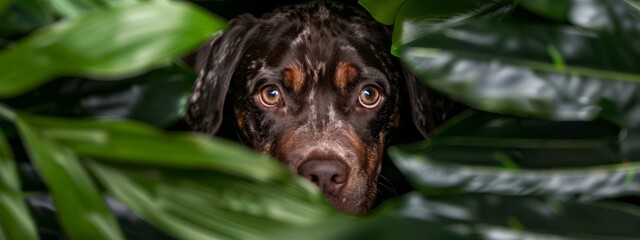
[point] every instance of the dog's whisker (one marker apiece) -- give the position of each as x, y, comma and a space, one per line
390, 188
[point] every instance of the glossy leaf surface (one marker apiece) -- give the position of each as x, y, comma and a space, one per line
159, 97
142, 36
531, 217
82, 212
133, 143
488, 153
554, 71
211, 205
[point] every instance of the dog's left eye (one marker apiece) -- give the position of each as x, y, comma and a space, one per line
270, 96
369, 97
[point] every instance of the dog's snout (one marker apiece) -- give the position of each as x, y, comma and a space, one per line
329, 175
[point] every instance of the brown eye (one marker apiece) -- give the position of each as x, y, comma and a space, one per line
270, 96
369, 97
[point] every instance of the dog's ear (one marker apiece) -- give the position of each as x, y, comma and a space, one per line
215, 63
429, 109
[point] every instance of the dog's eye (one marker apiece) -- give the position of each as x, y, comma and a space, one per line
369, 97
270, 96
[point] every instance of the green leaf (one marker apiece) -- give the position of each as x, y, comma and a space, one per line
134, 143
557, 10
488, 153
529, 217
470, 63
417, 18
3, 5
199, 204
15, 220
75, 8
110, 43
383, 11
613, 17
159, 97
82, 212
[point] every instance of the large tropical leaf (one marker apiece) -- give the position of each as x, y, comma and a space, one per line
185, 184
416, 18
556, 71
158, 97
133, 143
488, 153
130, 39
82, 212
529, 217
193, 204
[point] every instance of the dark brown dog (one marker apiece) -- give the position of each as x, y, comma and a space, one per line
314, 86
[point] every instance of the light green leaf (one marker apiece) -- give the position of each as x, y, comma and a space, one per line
81, 209
203, 204
15, 220
110, 43
133, 143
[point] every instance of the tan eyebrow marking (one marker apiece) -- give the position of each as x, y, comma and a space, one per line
293, 77
345, 72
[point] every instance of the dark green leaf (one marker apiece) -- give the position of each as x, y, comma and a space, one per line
196, 204
618, 17
437, 176
158, 97
383, 11
82, 212
553, 9
381, 227
144, 35
15, 221
482, 152
507, 217
511, 68
19, 19
417, 18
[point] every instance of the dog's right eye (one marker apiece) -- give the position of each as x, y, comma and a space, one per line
270, 96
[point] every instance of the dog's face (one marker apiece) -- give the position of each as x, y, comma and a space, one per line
320, 103
312, 85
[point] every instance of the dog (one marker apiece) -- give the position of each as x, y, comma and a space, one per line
313, 85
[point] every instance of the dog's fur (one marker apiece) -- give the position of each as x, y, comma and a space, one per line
319, 56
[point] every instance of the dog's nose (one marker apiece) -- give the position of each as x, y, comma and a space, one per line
329, 175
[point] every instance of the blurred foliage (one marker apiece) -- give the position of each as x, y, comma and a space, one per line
550, 150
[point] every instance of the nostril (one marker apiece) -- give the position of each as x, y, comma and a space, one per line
329, 175
338, 178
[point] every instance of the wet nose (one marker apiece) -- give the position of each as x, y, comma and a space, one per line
329, 175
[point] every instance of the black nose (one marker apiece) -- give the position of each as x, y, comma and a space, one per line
329, 175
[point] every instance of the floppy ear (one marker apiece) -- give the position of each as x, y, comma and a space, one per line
429, 109
216, 62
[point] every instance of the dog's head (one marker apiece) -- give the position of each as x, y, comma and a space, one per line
314, 86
